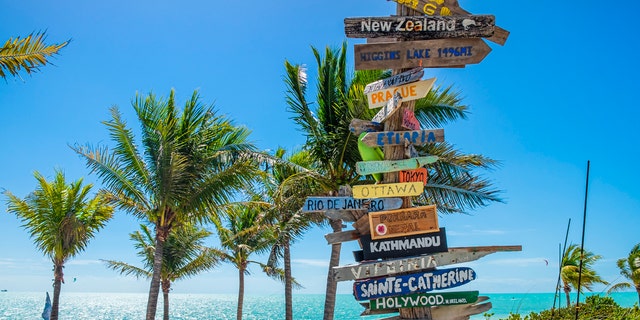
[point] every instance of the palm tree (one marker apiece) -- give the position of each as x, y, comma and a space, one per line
454, 187
191, 162
570, 270
286, 191
185, 256
61, 219
244, 231
26, 54
630, 269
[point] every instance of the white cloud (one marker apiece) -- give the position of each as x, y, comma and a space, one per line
83, 262
312, 262
520, 262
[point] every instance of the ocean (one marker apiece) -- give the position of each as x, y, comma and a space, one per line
132, 306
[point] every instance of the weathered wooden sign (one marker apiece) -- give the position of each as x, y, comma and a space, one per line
403, 222
404, 246
409, 120
397, 80
426, 53
413, 283
413, 264
449, 7
424, 300
420, 174
461, 311
394, 138
409, 92
358, 126
420, 27
348, 203
393, 104
388, 190
369, 167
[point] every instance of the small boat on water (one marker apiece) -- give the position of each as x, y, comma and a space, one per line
4, 290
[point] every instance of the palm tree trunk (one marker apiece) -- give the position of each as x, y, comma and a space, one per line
288, 290
58, 277
154, 289
332, 284
240, 292
166, 287
567, 290
638, 291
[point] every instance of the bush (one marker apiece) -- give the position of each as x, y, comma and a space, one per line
594, 308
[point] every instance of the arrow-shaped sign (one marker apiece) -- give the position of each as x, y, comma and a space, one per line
399, 79
449, 7
426, 53
370, 167
390, 108
420, 27
394, 138
409, 92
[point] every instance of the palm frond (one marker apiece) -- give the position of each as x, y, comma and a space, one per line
28, 54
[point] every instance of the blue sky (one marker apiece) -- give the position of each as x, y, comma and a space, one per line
562, 91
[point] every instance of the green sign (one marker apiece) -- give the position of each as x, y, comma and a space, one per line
424, 300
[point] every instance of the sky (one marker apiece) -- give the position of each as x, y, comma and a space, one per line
559, 93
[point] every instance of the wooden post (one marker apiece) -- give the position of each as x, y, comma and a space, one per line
396, 153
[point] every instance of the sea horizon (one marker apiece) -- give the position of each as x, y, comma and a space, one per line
187, 306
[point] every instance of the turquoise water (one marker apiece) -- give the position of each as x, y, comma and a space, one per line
29, 305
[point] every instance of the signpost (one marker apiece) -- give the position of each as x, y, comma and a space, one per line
315, 204
427, 53
409, 92
404, 246
388, 190
370, 167
387, 267
358, 126
413, 283
424, 300
390, 108
420, 27
449, 7
414, 175
404, 222
397, 80
395, 138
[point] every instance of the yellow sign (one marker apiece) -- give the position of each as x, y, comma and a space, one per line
388, 190
411, 91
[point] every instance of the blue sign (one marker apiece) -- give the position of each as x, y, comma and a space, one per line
413, 283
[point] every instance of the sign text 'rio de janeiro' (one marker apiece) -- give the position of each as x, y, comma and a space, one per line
315, 204
420, 27
426, 53
413, 283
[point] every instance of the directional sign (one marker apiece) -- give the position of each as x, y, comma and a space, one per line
392, 105
414, 245
413, 283
370, 167
446, 8
409, 120
420, 174
358, 126
426, 53
388, 190
420, 27
394, 138
397, 80
414, 264
409, 92
403, 222
348, 203
424, 300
